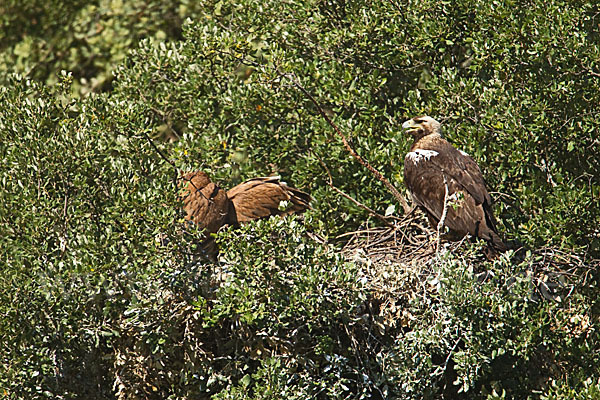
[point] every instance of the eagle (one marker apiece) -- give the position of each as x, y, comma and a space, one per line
204, 203
211, 207
441, 177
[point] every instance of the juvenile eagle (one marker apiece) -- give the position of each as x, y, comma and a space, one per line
437, 174
211, 208
204, 203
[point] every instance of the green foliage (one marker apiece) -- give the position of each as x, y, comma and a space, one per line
280, 277
78, 214
255, 326
99, 294
88, 38
490, 336
589, 390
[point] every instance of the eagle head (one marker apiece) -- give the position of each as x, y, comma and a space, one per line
421, 126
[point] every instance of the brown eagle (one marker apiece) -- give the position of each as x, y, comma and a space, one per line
211, 208
440, 176
204, 203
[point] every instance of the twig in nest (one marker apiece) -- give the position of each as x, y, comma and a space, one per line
440, 224
358, 203
354, 154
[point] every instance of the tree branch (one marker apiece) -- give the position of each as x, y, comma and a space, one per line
362, 161
358, 203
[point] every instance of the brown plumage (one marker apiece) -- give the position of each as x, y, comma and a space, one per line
204, 202
209, 206
262, 197
206, 205
434, 164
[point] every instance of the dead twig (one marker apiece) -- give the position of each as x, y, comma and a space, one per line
440, 224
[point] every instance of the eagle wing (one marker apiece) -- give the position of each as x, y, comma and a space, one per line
425, 181
261, 197
476, 185
464, 170
426, 174
204, 203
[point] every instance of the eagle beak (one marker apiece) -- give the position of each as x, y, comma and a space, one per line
410, 126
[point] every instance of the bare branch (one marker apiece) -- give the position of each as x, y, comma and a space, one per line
440, 224
160, 153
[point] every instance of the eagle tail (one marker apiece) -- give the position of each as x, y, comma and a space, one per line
496, 243
300, 201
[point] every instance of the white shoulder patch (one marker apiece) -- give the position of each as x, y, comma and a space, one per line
464, 154
420, 155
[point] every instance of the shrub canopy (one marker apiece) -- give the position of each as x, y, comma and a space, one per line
105, 102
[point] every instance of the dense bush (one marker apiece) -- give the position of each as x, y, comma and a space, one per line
262, 322
100, 296
79, 214
87, 38
491, 337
